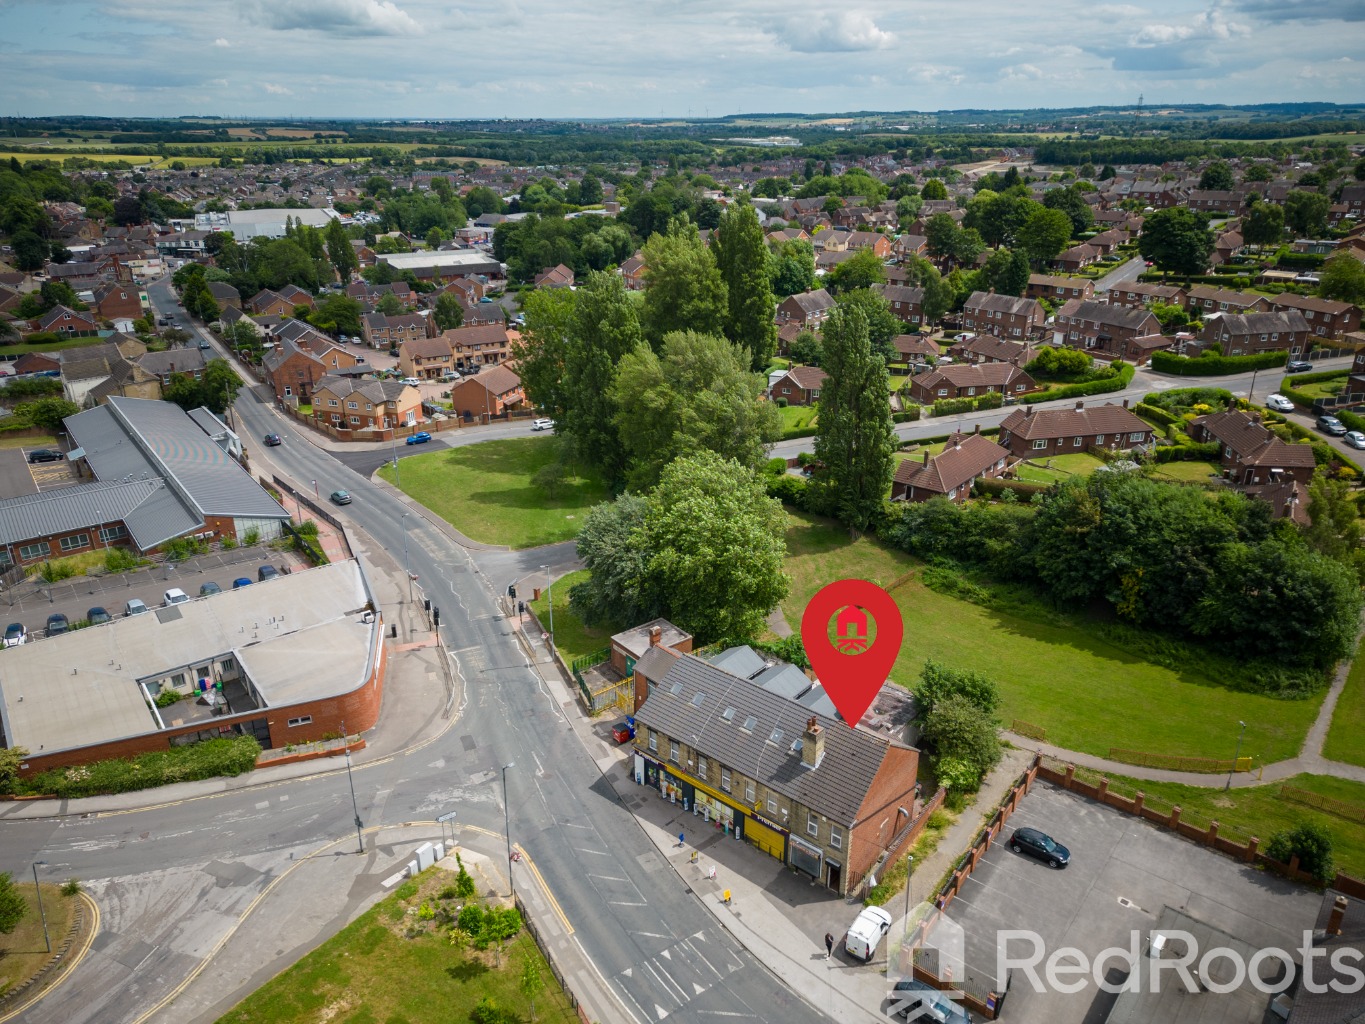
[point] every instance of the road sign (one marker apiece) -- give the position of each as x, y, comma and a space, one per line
446, 817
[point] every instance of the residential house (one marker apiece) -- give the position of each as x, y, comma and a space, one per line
907, 245
1204, 299
269, 303
1244, 334
477, 345
296, 296
809, 309
786, 334
906, 303
225, 295
118, 302
344, 402
983, 348
825, 798
874, 240
558, 276
1210, 201
66, 322
799, 386
633, 273
1109, 332
1078, 257
36, 362
1058, 289
970, 380
389, 332
1107, 241
1251, 455
914, 348
489, 394
1137, 294
1326, 317
292, 372
1031, 433
951, 473
426, 358
1005, 316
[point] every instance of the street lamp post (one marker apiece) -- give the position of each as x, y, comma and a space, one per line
1235, 756
393, 447
99, 523
507, 828
1251, 394
407, 571
41, 914
346, 749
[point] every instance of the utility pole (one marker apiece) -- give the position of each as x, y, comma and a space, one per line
41, 913
346, 748
507, 829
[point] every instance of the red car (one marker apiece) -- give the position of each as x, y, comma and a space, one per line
623, 732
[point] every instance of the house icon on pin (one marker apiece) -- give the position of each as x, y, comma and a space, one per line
851, 630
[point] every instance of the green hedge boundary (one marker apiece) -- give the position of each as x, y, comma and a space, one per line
205, 760
1093, 387
1156, 414
1215, 366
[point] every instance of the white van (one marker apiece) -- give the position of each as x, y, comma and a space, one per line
866, 933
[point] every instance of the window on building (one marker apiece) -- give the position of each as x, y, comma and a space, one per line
749, 791
1099, 439
28, 552
1135, 436
725, 779
672, 751
654, 741
332, 403
772, 803
942, 391
836, 837
1040, 444
702, 767
812, 824
113, 533
1077, 442
303, 720
75, 542
288, 391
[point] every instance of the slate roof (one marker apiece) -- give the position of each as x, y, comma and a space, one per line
812, 301
1010, 304
1030, 423
1262, 323
1103, 314
963, 459
1252, 442
808, 378
173, 360
902, 293
913, 344
139, 439
375, 391
835, 788
1318, 305
966, 375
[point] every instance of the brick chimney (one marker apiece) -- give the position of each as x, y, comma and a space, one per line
1125, 403
655, 635
1080, 406
812, 743
926, 456
1335, 918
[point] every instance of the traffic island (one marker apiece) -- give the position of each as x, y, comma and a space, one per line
40, 953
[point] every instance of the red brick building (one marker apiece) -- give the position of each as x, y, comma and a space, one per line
1031, 433
1004, 316
951, 473
799, 386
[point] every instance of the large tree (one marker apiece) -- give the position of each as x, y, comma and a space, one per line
1044, 234
1305, 213
1005, 272
602, 330
715, 545
340, 253
696, 394
1177, 240
683, 287
448, 313
742, 257
1263, 224
861, 270
934, 189
539, 351
613, 594
1217, 177
791, 267
1071, 201
338, 314
856, 439
1343, 279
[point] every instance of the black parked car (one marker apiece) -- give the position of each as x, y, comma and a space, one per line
57, 624
98, 616
1040, 845
45, 455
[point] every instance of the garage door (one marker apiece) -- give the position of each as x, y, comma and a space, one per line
766, 839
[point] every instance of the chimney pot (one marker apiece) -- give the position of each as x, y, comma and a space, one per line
1338, 912
812, 743
926, 456
655, 635
1125, 403
1080, 406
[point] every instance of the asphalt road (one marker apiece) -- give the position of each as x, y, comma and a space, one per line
1119, 275
561, 810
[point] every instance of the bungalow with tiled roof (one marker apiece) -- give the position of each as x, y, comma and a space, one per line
1033, 433
799, 386
951, 473
1251, 455
970, 380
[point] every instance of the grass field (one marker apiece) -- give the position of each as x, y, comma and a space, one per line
369, 973
1344, 742
1089, 695
102, 157
572, 638
485, 491
797, 416
1261, 811
1186, 472
22, 951
19, 348
1058, 467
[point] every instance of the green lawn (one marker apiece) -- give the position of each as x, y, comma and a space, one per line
1058, 467
20, 348
572, 638
485, 491
1261, 811
1344, 741
797, 416
369, 973
1088, 694
1187, 472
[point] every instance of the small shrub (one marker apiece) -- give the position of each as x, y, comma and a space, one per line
166, 698
308, 528
54, 572
252, 537
1311, 843
121, 560
426, 912
448, 893
464, 883
471, 919
781, 403
72, 887
228, 543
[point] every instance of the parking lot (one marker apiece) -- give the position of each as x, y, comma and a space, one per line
1123, 873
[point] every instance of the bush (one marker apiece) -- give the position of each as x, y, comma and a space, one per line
205, 760
1215, 366
464, 883
775, 467
54, 572
166, 698
252, 537
956, 775
1156, 414
121, 560
790, 490
994, 488
1188, 452
781, 403
1311, 843
307, 528
1094, 387
181, 548
910, 414
72, 887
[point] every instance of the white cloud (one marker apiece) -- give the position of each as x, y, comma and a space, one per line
1210, 24
221, 43
275, 89
823, 33
339, 17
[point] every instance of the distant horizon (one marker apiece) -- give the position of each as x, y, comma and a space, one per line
429, 60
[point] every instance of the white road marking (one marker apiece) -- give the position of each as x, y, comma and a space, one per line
599, 853
609, 878
263, 805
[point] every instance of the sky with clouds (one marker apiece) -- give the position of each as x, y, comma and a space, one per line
646, 58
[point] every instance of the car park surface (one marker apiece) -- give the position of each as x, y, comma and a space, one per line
1123, 873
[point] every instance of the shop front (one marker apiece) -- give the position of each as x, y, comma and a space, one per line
805, 857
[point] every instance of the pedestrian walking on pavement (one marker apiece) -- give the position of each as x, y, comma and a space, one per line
829, 945
682, 839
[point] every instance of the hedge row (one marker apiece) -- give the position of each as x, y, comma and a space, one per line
953, 406
159, 768
1192, 452
1094, 387
1156, 414
995, 487
910, 415
1215, 366
794, 432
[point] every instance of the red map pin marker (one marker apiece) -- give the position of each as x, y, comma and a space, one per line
853, 663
